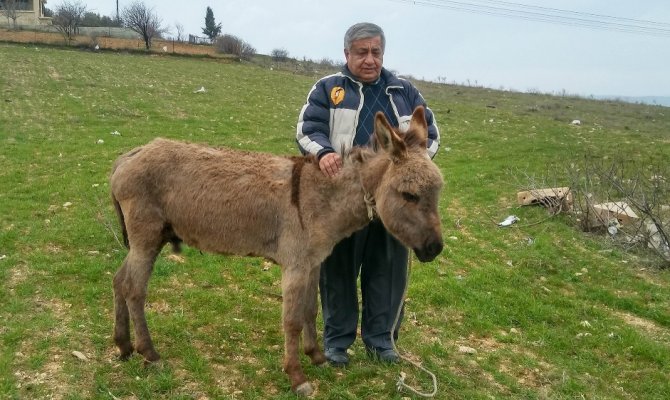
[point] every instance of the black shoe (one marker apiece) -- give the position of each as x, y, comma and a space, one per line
337, 357
383, 355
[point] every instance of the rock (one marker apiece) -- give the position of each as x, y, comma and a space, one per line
79, 355
466, 350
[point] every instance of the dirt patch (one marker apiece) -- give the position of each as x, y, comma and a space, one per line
651, 276
648, 327
53, 74
104, 42
17, 275
50, 376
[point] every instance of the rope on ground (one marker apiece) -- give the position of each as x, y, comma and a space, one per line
401, 381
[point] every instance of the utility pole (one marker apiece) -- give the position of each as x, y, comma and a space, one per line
117, 11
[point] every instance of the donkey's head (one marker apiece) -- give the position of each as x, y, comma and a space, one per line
406, 185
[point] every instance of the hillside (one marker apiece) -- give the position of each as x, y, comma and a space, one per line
652, 100
537, 310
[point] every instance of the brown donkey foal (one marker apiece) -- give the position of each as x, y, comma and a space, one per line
282, 208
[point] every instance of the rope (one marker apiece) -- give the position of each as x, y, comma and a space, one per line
400, 385
370, 205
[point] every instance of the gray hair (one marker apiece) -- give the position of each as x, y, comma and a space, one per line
363, 30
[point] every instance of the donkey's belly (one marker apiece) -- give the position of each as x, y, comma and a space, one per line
242, 235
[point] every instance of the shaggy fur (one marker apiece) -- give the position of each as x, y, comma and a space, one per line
282, 208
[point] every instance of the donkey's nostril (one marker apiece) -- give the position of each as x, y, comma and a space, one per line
435, 248
429, 251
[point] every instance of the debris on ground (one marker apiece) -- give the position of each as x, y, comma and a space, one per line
508, 221
557, 199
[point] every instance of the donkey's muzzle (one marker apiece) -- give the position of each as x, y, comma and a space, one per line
429, 251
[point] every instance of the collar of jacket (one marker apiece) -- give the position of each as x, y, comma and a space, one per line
391, 80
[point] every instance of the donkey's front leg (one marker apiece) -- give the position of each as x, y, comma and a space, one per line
311, 345
293, 293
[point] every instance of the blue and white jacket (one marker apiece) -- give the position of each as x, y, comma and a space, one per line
327, 122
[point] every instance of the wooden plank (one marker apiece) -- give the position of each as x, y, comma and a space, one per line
616, 209
547, 197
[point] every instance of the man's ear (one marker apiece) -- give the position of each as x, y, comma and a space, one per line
387, 138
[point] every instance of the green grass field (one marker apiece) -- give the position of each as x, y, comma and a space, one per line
551, 312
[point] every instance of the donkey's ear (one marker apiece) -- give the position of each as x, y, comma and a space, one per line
387, 139
417, 134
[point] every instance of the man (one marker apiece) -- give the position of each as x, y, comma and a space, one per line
339, 114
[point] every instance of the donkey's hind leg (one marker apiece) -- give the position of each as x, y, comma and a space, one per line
140, 264
121, 316
311, 345
145, 227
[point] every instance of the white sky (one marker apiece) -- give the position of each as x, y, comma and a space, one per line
428, 42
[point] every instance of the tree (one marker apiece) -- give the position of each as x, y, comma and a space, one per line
9, 8
144, 21
68, 17
212, 30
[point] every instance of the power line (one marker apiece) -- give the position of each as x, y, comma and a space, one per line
551, 15
579, 13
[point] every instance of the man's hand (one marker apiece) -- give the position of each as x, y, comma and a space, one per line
330, 164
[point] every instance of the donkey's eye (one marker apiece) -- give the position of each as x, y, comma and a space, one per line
410, 197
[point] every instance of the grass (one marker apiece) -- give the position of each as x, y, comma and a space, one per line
552, 313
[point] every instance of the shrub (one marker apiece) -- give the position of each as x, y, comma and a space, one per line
279, 54
229, 44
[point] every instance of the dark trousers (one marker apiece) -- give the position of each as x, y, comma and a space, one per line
381, 261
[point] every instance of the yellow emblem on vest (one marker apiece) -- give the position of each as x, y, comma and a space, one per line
337, 95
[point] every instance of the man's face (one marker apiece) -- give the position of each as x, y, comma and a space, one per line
365, 58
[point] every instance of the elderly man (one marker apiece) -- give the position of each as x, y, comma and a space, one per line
339, 113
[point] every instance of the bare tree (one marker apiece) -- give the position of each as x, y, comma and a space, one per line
143, 20
229, 44
626, 200
279, 55
180, 31
10, 8
68, 17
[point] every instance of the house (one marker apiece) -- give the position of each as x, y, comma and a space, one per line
27, 12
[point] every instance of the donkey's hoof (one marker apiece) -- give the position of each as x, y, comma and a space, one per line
154, 360
150, 355
320, 363
304, 389
319, 360
125, 354
158, 365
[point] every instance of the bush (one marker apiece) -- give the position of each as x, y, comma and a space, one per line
229, 44
279, 54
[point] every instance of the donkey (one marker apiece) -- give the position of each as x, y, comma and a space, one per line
282, 208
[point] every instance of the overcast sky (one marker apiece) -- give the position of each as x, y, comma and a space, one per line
431, 40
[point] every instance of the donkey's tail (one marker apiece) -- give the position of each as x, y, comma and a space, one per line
117, 205
122, 221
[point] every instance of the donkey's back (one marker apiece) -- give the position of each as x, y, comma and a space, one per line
217, 200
